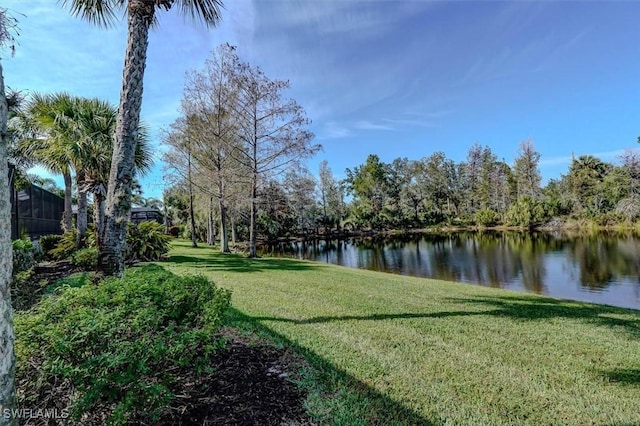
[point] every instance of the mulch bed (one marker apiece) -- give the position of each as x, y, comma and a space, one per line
251, 386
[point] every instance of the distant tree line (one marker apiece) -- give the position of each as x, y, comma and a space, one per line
484, 191
480, 191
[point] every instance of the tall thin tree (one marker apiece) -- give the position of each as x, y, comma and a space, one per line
7, 337
141, 15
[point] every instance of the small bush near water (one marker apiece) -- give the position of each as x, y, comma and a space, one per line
115, 350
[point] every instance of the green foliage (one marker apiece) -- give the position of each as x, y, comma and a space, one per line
91, 237
147, 241
486, 217
48, 243
25, 290
526, 212
118, 347
25, 255
86, 258
65, 246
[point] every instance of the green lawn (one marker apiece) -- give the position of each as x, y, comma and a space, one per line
388, 349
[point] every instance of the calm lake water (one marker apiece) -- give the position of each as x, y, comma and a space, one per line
602, 268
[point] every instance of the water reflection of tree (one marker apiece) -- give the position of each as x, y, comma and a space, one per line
491, 259
529, 250
602, 258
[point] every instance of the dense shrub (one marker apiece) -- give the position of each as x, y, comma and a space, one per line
66, 245
48, 243
25, 255
116, 349
86, 258
25, 290
486, 217
526, 212
147, 241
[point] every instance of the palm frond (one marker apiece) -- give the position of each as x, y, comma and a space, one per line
206, 11
96, 12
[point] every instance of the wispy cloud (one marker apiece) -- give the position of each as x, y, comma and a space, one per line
332, 130
564, 160
369, 125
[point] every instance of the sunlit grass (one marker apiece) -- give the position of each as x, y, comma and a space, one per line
391, 349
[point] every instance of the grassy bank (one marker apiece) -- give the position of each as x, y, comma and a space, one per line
388, 349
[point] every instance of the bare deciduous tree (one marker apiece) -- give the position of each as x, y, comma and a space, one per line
272, 130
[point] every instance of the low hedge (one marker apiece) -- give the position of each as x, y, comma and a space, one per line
115, 349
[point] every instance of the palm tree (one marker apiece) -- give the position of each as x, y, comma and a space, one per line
77, 134
140, 17
46, 143
97, 125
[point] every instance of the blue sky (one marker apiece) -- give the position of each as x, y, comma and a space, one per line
396, 78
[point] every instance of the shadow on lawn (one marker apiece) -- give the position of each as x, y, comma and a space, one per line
629, 376
372, 407
534, 308
373, 317
238, 263
519, 308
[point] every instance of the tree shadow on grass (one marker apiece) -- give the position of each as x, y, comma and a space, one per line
628, 376
372, 317
538, 308
238, 263
344, 397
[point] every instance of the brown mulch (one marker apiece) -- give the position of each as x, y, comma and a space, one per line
251, 386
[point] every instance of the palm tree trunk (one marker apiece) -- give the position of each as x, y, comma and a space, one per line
81, 220
68, 208
7, 337
118, 204
98, 215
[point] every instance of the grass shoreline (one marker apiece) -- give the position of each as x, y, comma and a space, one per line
391, 349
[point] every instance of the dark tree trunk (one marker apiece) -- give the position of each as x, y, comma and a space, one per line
118, 204
254, 193
211, 229
7, 337
81, 219
194, 237
234, 230
98, 215
224, 238
68, 208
